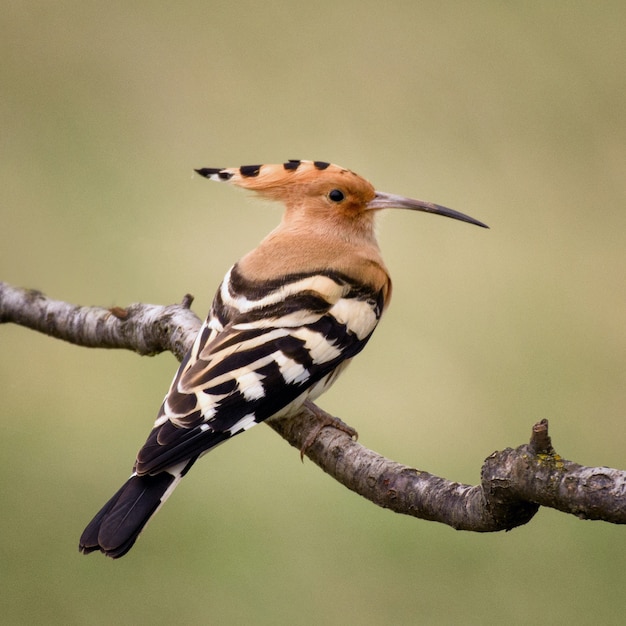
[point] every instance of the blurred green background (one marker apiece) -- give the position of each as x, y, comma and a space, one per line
511, 112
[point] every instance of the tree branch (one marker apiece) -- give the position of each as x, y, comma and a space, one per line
514, 482
147, 329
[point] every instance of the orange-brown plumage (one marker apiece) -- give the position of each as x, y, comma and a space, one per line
315, 233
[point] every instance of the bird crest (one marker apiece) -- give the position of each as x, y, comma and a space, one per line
277, 180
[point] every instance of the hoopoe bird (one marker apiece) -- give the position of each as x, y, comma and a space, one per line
285, 322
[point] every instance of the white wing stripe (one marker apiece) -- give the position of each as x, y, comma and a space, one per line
251, 386
320, 349
324, 286
358, 316
246, 422
291, 371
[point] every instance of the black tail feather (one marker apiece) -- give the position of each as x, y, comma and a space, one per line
117, 525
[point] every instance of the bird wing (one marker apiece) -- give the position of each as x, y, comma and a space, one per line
260, 353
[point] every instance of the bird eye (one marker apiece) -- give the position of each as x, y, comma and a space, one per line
336, 195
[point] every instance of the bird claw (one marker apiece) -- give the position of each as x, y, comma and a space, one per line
323, 421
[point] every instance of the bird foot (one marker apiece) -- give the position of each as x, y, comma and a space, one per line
324, 420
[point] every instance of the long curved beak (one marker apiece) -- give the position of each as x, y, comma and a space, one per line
391, 201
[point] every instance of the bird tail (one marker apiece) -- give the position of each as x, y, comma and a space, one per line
117, 525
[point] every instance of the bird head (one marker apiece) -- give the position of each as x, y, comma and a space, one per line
317, 189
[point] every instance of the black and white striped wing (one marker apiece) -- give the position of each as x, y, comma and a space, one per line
262, 351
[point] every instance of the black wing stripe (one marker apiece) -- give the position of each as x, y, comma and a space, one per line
239, 285
257, 366
183, 443
155, 457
